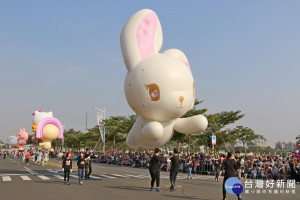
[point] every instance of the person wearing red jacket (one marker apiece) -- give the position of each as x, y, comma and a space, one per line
27, 156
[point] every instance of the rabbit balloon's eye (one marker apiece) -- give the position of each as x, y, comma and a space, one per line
154, 92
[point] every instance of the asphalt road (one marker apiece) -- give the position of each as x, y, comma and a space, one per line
37, 182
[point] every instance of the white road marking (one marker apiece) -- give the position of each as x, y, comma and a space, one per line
74, 176
50, 170
162, 176
120, 176
10, 174
25, 178
141, 176
106, 176
6, 178
44, 177
59, 177
31, 171
200, 177
95, 177
136, 176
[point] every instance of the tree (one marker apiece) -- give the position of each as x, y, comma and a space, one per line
217, 124
298, 139
246, 135
118, 127
74, 139
1, 144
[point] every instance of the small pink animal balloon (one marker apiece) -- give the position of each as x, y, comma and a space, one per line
22, 138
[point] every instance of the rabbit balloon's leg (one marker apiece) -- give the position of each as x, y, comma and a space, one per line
153, 131
135, 134
191, 125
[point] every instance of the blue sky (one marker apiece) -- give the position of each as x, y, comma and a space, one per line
65, 57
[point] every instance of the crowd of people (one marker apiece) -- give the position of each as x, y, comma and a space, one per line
39, 157
256, 167
265, 167
233, 165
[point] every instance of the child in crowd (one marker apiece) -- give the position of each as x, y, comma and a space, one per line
39, 157
243, 172
45, 160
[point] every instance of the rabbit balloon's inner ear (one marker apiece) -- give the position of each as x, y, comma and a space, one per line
141, 36
145, 35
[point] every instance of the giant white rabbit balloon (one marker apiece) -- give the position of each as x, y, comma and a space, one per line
159, 87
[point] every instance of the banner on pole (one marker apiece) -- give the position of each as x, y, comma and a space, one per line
101, 126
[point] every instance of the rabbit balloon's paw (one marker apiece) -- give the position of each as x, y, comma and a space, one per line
153, 130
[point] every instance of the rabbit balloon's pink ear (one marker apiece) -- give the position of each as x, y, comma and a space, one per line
141, 36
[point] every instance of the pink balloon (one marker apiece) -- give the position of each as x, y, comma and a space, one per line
22, 138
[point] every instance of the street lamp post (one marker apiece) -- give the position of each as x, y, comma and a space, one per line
103, 139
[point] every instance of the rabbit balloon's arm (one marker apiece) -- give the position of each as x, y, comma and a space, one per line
143, 132
191, 125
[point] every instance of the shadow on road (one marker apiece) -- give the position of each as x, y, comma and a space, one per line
128, 188
54, 182
183, 197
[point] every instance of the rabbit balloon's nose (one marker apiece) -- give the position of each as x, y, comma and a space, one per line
181, 99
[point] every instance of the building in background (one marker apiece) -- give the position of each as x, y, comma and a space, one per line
284, 145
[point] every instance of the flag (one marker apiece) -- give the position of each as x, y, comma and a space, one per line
101, 126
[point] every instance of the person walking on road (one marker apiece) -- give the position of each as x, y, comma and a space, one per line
154, 169
218, 168
230, 167
190, 164
35, 156
88, 164
80, 164
40, 157
23, 156
27, 156
67, 168
4, 155
174, 168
